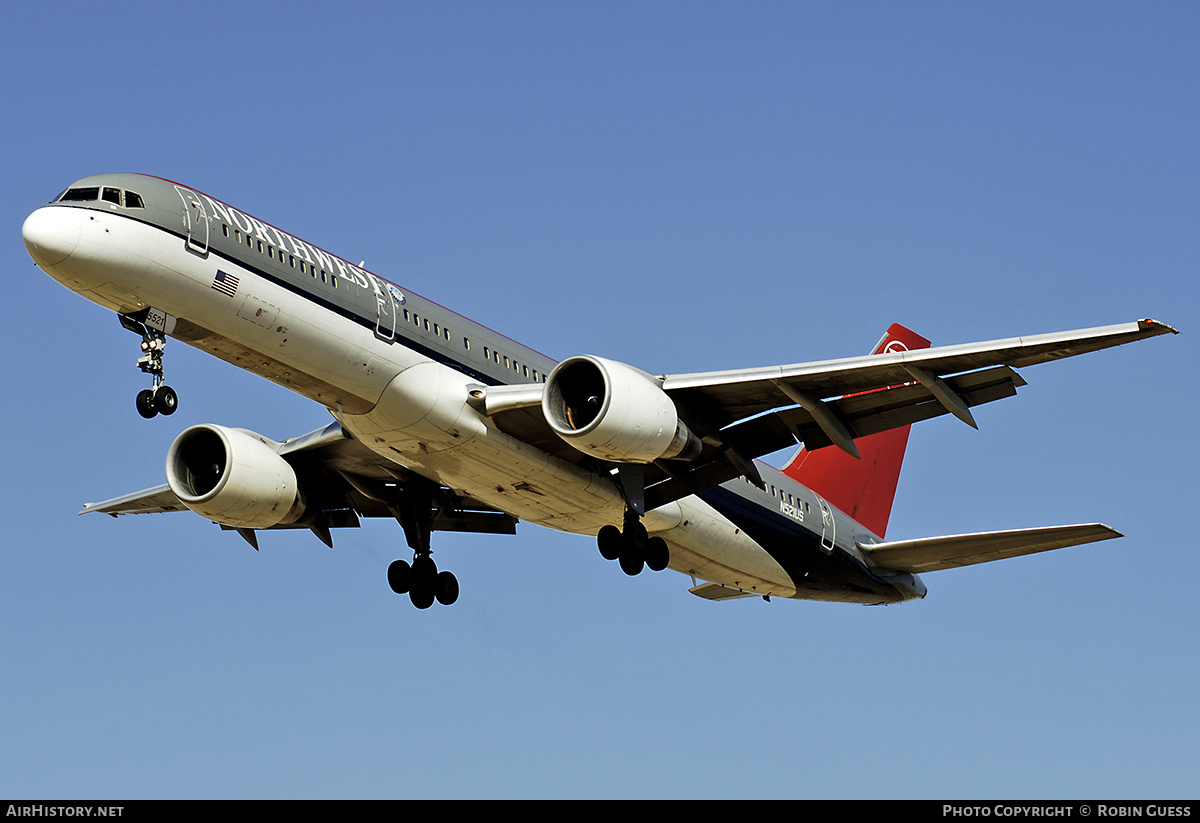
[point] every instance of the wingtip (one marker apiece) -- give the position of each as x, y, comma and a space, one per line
1156, 327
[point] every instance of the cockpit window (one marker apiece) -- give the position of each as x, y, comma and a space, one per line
87, 193
128, 199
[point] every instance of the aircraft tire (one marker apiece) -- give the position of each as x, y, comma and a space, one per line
145, 404
610, 541
631, 559
399, 576
165, 400
446, 588
422, 586
657, 554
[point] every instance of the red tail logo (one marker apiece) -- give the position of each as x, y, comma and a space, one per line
864, 488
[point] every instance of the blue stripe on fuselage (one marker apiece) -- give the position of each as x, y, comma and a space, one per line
349, 313
834, 576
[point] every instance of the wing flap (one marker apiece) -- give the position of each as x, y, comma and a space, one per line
715, 591
930, 554
862, 415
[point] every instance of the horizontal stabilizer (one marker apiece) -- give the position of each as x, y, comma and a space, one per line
931, 554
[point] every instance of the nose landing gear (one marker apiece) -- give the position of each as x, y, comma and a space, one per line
159, 398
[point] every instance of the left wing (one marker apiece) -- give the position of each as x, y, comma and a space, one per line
343, 481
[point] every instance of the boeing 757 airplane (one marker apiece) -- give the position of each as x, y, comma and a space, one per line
444, 424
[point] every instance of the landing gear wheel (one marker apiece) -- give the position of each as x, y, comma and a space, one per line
631, 559
633, 547
657, 554
422, 584
610, 542
421, 598
165, 400
399, 576
145, 404
446, 588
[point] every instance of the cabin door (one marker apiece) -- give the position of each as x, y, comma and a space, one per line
195, 220
385, 310
828, 525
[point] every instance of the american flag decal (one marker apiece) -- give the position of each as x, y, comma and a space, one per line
225, 283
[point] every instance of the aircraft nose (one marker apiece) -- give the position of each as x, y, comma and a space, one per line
51, 234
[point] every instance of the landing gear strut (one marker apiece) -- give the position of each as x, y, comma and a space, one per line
632, 547
160, 398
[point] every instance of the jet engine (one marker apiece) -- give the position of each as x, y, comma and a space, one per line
615, 412
234, 477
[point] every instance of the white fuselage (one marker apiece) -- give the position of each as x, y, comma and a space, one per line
403, 404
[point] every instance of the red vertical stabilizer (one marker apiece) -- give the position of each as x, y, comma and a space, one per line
865, 488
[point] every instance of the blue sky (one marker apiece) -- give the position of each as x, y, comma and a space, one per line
682, 186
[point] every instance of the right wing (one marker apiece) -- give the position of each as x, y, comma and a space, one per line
736, 395
743, 414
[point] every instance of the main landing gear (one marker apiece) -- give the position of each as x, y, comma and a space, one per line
413, 506
632, 547
423, 582
160, 398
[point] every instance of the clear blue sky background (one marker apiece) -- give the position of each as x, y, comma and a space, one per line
682, 186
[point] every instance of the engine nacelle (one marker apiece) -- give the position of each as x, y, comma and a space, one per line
615, 412
234, 477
